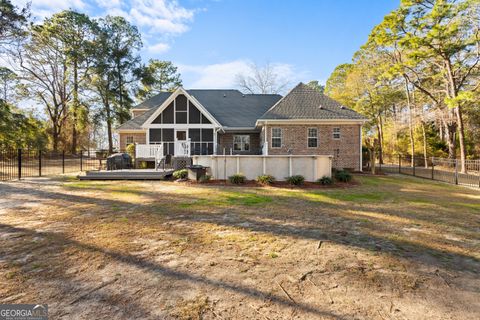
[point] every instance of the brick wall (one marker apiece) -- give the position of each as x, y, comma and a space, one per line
346, 150
225, 140
139, 137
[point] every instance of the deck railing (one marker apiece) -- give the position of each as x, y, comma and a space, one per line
148, 151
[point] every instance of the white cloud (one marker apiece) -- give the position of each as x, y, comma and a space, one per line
157, 19
159, 48
223, 75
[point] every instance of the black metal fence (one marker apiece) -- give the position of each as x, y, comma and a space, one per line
22, 163
440, 169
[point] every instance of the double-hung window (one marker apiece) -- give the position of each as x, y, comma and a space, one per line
312, 137
277, 137
336, 133
129, 140
241, 143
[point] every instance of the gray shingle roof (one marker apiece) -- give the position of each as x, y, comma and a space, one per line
230, 107
304, 102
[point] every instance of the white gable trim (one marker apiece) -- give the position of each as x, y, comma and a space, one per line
173, 96
310, 121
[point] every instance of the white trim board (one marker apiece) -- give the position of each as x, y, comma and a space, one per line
311, 121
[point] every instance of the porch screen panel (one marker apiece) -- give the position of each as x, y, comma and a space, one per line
201, 141
168, 114
181, 103
168, 135
205, 120
155, 135
194, 114
158, 119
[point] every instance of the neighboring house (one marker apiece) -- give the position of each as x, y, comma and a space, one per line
207, 122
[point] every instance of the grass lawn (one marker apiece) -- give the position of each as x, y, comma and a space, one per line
388, 248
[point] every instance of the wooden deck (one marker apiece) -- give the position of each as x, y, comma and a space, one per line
127, 174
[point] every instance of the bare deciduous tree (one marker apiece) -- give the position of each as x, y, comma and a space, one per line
265, 79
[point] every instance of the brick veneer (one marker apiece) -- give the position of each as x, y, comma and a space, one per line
225, 140
140, 137
346, 150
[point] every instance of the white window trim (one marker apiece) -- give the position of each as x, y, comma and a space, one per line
309, 137
272, 137
241, 143
339, 133
127, 142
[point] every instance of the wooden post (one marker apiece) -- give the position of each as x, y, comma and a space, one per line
39, 163
63, 162
19, 158
81, 161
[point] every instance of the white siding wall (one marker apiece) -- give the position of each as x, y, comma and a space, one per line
311, 167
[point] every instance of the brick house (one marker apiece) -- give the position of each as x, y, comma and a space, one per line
208, 122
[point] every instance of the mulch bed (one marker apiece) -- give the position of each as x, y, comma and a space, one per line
276, 184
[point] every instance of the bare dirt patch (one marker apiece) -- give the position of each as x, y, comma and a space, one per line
387, 248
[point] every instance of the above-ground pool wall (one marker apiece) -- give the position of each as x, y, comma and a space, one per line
311, 167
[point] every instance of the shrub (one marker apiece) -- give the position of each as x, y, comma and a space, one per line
180, 174
296, 180
204, 178
343, 176
237, 178
325, 180
266, 179
130, 149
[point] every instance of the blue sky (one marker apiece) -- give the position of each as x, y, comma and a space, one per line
213, 41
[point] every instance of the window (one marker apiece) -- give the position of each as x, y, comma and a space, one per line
276, 137
312, 137
129, 140
241, 142
336, 133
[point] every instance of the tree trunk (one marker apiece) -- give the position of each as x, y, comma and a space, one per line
450, 131
410, 121
424, 134
380, 139
461, 138
109, 125
75, 107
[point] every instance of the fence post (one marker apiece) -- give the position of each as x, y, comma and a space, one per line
63, 161
413, 161
19, 158
433, 169
39, 162
81, 161
456, 171
399, 164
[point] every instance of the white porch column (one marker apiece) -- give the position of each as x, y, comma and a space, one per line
361, 156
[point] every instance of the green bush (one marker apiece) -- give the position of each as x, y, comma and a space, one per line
266, 179
205, 178
296, 180
343, 176
180, 174
237, 178
325, 180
